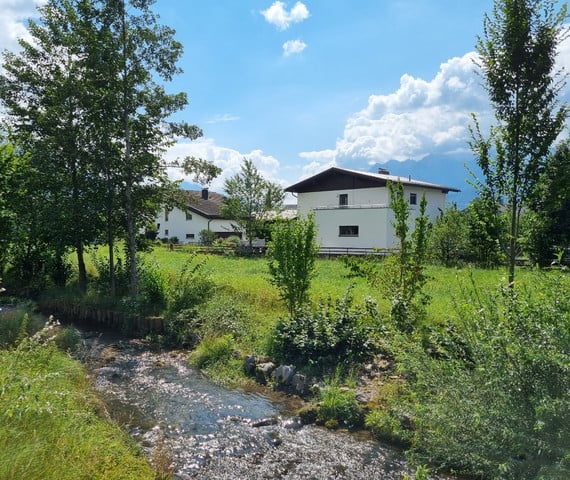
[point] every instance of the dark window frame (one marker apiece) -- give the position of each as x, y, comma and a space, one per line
348, 230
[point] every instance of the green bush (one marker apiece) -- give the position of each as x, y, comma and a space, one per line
338, 407
384, 425
192, 287
153, 287
213, 350
223, 315
68, 339
329, 334
503, 412
207, 237
17, 323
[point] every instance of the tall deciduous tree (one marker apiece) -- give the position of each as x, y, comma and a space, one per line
250, 199
85, 97
43, 90
517, 58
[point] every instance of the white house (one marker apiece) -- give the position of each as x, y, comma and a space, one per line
352, 208
202, 212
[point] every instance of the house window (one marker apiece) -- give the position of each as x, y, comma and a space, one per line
413, 199
166, 212
166, 233
188, 216
343, 200
348, 231
190, 235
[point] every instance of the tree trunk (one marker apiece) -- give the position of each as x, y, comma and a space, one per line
82, 271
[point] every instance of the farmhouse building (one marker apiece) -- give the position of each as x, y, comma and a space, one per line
201, 211
352, 208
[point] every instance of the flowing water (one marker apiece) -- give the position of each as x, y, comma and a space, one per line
209, 432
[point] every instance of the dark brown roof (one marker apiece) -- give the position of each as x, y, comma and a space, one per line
209, 208
336, 178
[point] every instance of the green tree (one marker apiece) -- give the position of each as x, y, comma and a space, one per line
43, 89
250, 200
11, 166
84, 98
293, 251
404, 275
449, 238
517, 60
487, 231
202, 171
549, 216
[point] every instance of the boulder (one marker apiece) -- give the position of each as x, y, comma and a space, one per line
283, 374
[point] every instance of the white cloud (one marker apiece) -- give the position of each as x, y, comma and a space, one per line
14, 15
278, 15
422, 117
293, 46
228, 159
223, 118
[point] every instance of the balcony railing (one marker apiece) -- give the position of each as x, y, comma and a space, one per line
349, 207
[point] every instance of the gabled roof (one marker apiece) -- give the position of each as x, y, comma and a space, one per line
209, 208
336, 178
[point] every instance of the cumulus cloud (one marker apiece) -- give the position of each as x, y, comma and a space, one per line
421, 117
228, 159
278, 15
293, 46
14, 15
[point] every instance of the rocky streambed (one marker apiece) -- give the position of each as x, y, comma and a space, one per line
196, 429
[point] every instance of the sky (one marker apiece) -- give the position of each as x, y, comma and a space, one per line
299, 86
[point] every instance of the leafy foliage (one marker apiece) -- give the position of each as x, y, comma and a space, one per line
250, 199
404, 275
449, 238
293, 250
501, 411
549, 219
328, 334
517, 59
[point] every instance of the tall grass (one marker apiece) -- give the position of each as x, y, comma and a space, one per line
50, 423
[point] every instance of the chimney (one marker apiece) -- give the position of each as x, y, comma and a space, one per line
383, 171
204, 194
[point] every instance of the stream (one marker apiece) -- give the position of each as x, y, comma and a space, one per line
210, 432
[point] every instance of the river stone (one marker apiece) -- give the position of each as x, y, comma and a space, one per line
263, 372
249, 364
300, 384
283, 374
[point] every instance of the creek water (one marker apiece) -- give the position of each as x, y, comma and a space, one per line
209, 432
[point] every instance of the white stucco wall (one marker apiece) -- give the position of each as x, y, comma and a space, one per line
367, 208
179, 226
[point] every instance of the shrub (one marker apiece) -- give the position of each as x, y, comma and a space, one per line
504, 412
153, 287
192, 287
213, 350
385, 425
223, 315
329, 334
68, 339
338, 406
207, 237
293, 251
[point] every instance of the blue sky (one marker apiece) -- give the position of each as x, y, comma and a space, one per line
300, 86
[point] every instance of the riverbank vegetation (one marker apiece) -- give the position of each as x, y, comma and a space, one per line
52, 424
